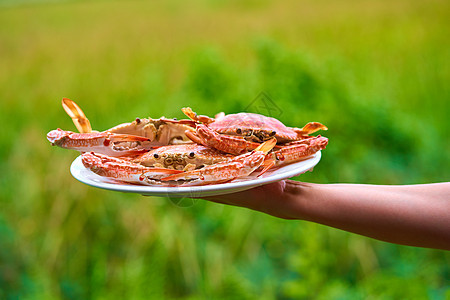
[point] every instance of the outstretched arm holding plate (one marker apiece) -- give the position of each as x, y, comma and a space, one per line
414, 215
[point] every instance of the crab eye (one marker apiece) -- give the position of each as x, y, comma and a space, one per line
138, 120
238, 131
273, 132
155, 155
192, 155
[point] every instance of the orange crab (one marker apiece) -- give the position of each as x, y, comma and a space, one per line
125, 139
194, 164
228, 170
242, 132
213, 167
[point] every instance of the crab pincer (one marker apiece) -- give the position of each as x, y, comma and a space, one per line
239, 166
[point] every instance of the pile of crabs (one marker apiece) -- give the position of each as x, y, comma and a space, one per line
189, 152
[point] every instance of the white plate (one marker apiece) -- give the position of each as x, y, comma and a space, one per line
86, 176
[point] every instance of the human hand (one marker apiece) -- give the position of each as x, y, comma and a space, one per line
280, 199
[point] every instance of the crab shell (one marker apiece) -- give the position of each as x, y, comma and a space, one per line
181, 157
259, 128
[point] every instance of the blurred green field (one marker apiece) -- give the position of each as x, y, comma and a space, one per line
376, 73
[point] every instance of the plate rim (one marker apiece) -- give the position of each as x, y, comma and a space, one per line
77, 168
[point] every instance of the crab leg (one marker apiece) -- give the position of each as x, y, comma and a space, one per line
123, 170
226, 143
233, 168
104, 142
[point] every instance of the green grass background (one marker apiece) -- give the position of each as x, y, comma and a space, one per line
375, 72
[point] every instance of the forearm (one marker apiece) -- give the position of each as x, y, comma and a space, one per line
416, 215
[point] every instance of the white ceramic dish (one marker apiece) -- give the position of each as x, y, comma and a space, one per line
86, 176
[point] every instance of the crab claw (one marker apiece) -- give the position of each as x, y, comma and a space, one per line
111, 144
294, 152
309, 128
239, 166
78, 117
197, 118
123, 170
226, 143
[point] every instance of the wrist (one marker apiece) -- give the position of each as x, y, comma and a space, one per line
296, 196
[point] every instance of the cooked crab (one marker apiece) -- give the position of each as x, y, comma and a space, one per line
149, 168
181, 157
233, 168
124, 139
221, 167
239, 133
194, 162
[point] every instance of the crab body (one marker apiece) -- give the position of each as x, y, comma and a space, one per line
151, 166
181, 157
253, 127
238, 166
214, 167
